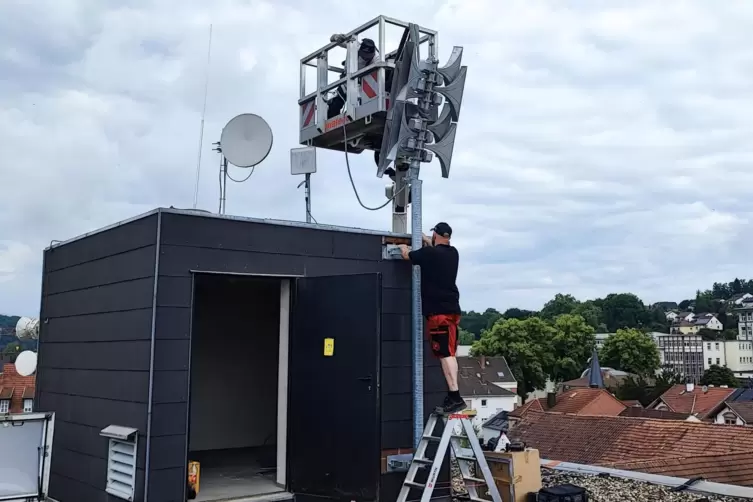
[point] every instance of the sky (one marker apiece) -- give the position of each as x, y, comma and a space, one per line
602, 146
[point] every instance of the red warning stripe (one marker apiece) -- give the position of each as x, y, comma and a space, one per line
307, 112
366, 85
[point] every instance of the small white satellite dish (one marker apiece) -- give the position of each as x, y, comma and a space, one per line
26, 363
27, 327
246, 140
705, 388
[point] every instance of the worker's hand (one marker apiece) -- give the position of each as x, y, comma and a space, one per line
426, 239
404, 250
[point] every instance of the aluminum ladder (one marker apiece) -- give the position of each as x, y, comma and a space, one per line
464, 458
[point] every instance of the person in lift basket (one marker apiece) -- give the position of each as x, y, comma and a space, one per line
440, 303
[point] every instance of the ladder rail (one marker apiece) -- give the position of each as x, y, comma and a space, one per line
449, 439
481, 463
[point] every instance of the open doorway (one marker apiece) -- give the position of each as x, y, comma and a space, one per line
238, 401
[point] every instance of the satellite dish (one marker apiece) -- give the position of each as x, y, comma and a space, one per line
27, 327
26, 363
246, 140
705, 388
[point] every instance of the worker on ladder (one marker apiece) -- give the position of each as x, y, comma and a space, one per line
440, 303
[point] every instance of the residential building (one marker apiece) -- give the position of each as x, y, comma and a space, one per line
16, 391
487, 386
708, 321
701, 402
745, 321
669, 447
739, 299
682, 354
737, 355
735, 413
671, 316
589, 401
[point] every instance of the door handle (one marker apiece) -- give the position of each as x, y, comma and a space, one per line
366, 379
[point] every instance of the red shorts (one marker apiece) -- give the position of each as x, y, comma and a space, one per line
442, 331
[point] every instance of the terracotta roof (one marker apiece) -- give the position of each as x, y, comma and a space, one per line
534, 404
28, 393
697, 402
573, 401
10, 379
6, 392
632, 402
606, 441
633, 411
729, 468
743, 409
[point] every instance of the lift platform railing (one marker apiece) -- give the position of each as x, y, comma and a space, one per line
366, 93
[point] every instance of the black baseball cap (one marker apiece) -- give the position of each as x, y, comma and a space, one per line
443, 229
367, 46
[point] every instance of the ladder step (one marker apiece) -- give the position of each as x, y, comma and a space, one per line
432, 438
425, 461
413, 484
467, 459
475, 480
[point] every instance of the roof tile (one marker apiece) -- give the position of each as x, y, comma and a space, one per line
696, 402
10, 379
630, 443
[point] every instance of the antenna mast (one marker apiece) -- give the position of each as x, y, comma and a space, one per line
203, 114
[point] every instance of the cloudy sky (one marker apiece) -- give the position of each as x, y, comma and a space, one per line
603, 147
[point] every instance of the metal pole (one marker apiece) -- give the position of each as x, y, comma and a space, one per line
418, 319
308, 197
223, 190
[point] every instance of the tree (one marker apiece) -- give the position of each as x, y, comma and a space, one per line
704, 302
465, 337
560, 304
685, 305
647, 389
475, 322
516, 313
591, 313
659, 321
572, 345
526, 346
719, 375
624, 310
631, 350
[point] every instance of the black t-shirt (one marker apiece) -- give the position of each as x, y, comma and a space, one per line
439, 270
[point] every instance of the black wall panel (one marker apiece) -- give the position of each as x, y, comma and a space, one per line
95, 354
94, 351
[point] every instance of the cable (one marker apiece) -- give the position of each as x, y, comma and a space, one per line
353, 184
244, 179
312, 216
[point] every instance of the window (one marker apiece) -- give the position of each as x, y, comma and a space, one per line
709, 361
4, 406
483, 402
121, 461
28, 405
717, 360
708, 346
730, 419
716, 346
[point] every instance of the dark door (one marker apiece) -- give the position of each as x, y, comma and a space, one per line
333, 408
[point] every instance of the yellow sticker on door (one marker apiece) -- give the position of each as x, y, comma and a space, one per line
329, 347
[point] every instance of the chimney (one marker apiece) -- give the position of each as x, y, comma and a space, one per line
690, 387
551, 400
